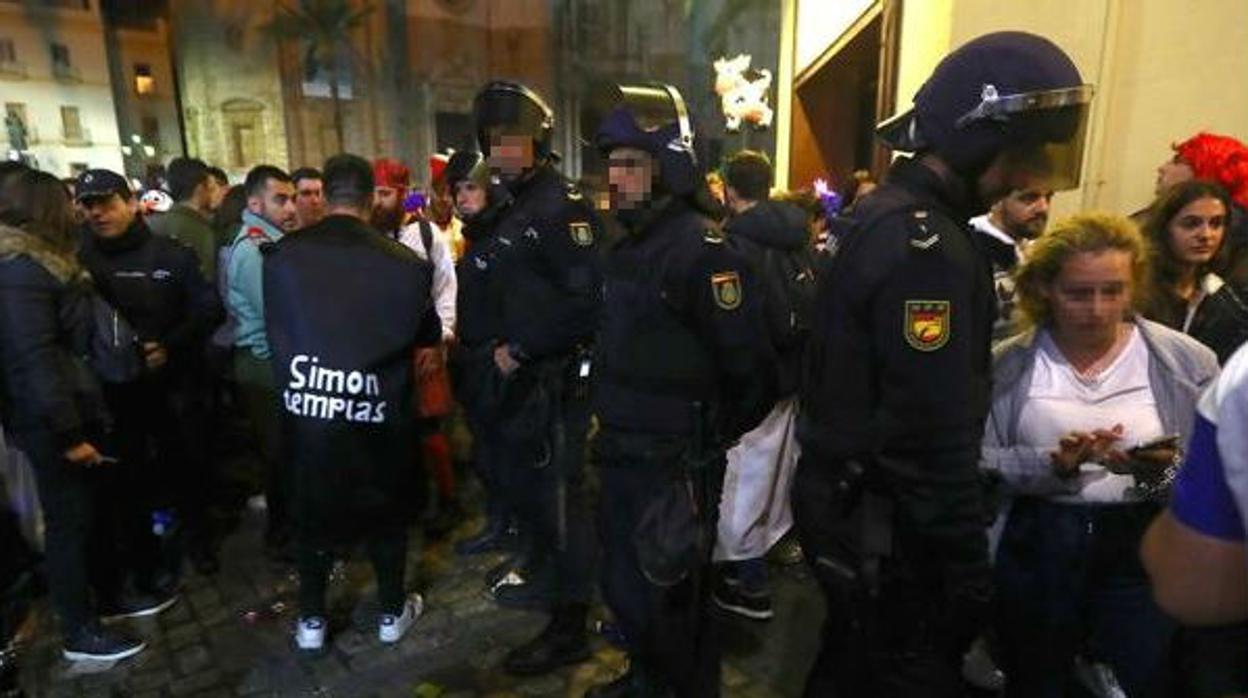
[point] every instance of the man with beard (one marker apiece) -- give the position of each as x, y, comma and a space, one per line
269, 216
391, 179
422, 237
887, 499
1008, 225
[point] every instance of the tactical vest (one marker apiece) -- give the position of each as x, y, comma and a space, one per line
651, 365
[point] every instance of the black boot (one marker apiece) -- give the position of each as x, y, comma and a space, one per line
564, 641
495, 536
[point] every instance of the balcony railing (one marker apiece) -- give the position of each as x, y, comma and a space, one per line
14, 70
80, 139
66, 73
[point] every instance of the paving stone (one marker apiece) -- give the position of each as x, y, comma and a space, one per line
193, 659
193, 684
182, 635
149, 680
548, 685
731, 677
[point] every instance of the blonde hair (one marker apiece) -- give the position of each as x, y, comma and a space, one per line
1085, 232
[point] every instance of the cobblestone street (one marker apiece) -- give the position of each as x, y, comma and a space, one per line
230, 635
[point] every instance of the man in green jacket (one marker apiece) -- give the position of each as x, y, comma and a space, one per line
190, 220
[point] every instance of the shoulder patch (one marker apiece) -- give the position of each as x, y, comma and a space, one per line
581, 233
927, 324
256, 233
726, 289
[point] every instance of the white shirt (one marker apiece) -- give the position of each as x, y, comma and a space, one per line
984, 225
445, 286
1060, 401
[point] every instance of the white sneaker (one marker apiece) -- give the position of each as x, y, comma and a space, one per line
310, 633
391, 628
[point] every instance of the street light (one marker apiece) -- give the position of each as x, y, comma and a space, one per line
137, 154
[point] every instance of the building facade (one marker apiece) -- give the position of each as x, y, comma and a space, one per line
144, 92
1162, 72
55, 86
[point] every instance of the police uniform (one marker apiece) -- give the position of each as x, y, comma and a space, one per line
680, 373
887, 498
546, 291
472, 357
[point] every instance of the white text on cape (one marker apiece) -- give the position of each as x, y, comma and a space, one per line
332, 393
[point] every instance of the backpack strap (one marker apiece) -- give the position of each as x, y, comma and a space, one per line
426, 238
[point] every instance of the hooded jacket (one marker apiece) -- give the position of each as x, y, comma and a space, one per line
48, 392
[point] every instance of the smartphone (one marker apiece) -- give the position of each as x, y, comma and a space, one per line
1168, 441
108, 460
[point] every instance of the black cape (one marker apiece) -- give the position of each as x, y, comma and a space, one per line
345, 309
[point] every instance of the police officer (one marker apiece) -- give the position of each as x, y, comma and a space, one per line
680, 373
545, 287
887, 499
479, 204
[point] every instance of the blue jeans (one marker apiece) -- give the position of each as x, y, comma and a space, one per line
1069, 581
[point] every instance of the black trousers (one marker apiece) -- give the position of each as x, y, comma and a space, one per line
901, 633
258, 396
95, 531
160, 424
387, 548
669, 629
548, 496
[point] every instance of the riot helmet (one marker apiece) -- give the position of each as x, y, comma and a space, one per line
464, 165
514, 109
651, 117
1002, 92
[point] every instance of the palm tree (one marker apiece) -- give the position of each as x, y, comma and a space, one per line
324, 29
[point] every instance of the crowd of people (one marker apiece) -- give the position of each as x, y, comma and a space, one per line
967, 421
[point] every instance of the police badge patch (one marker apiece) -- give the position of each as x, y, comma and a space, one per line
581, 234
927, 324
726, 288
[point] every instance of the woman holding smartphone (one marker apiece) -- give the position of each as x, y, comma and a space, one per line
1089, 409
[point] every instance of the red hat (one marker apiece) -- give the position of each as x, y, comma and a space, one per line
437, 167
391, 173
1221, 159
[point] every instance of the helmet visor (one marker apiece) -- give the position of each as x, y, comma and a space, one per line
1054, 140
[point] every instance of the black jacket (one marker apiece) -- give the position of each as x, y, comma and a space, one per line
155, 282
546, 282
345, 308
1220, 321
781, 228
45, 327
478, 317
682, 323
899, 365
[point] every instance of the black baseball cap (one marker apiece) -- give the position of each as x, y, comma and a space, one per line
95, 184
